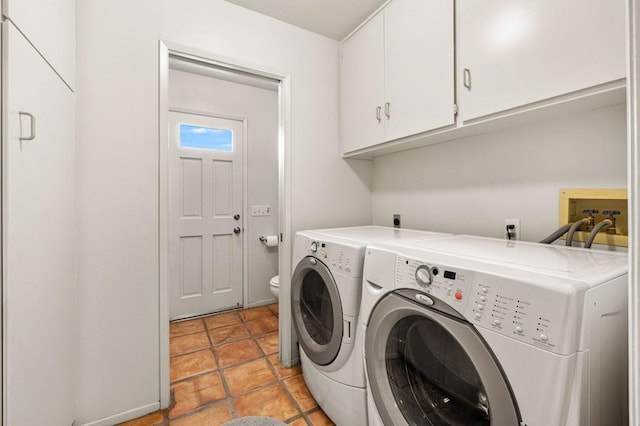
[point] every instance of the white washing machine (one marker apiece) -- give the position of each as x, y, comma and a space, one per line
326, 287
477, 331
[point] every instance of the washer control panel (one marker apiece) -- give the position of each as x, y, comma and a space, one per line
451, 285
517, 309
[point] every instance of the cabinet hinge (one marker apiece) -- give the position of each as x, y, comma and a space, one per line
455, 109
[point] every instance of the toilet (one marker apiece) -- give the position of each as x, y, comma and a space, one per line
274, 285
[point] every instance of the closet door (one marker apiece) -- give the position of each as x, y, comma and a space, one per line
39, 254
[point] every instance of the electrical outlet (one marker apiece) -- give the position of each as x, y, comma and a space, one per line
396, 221
512, 229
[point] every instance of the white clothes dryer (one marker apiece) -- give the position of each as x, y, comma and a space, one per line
326, 288
478, 331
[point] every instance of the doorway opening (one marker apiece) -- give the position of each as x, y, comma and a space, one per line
222, 189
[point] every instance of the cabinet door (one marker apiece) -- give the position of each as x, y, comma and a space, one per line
419, 67
362, 87
51, 27
523, 51
39, 258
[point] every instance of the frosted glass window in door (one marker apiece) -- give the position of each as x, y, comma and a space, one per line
206, 138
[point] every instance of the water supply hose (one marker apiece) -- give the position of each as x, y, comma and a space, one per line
557, 234
592, 236
574, 227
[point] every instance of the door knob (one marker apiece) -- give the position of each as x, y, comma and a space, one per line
236, 230
236, 216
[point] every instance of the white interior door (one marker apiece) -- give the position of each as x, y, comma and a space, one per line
39, 256
205, 203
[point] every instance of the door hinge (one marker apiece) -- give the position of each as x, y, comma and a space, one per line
455, 109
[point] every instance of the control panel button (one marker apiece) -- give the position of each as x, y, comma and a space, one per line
485, 290
483, 299
478, 315
480, 307
519, 329
544, 337
497, 321
458, 296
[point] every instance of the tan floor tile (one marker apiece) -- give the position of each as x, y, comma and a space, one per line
272, 401
263, 325
211, 416
319, 418
255, 313
152, 419
274, 308
184, 366
196, 392
189, 343
237, 352
186, 327
268, 343
228, 334
298, 389
222, 320
250, 376
299, 422
282, 371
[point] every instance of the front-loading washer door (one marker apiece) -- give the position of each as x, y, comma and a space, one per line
317, 311
430, 368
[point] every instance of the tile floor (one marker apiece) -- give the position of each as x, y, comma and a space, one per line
225, 366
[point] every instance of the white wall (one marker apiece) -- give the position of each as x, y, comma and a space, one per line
118, 171
471, 185
259, 107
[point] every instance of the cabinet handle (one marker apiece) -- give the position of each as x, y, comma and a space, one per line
32, 135
387, 108
466, 78
379, 114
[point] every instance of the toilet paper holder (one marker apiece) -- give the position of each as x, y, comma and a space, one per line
269, 241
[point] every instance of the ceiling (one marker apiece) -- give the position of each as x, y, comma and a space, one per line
332, 18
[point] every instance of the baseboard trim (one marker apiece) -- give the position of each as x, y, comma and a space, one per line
124, 416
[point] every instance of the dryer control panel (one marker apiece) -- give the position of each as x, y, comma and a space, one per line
340, 258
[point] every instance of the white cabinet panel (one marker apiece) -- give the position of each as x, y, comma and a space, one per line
419, 85
51, 27
40, 240
397, 74
522, 51
362, 87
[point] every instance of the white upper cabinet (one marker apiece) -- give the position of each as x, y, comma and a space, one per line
418, 53
51, 27
513, 53
397, 74
362, 87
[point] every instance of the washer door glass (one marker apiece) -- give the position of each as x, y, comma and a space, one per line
426, 367
317, 311
432, 379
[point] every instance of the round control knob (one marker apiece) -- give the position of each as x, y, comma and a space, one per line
423, 275
313, 247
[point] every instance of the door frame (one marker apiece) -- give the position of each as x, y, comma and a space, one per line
165, 49
245, 185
